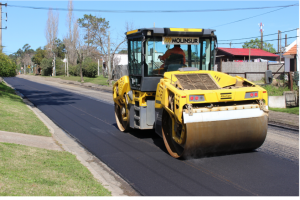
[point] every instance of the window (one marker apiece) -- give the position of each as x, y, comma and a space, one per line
160, 58
206, 51
212, 60
135, 57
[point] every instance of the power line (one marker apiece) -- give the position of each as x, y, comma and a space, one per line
255, 15
150, 11
264, 40
259, 36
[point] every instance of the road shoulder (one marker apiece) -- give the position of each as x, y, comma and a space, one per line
107, 177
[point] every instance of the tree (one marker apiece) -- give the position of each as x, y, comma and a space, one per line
39, 55
256, 44
123, 51
60, 48
51, 31
95, 32
80, 48
26, 55
46, 65
72, 37
23, 56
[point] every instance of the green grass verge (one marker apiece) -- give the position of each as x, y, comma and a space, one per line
31, 171
15, 116
294, 110
275, 91
100, 80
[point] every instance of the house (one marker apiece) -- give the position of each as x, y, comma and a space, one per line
120, 59
290, 57
241, 54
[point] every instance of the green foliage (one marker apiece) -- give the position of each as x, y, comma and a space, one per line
7, 66
89, 68
294, 110
20, 54
60, 48
13, 58
275, 91
256, 44
123, 51
59, 66
46, 66
26, 48
74, 70
39, 56
94, 27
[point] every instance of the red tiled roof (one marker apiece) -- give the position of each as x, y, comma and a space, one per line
245, 52
292, 51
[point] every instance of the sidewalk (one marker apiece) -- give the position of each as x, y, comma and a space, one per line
29, 140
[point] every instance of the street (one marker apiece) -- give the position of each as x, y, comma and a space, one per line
141, 159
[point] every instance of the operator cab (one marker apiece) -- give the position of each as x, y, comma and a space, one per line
153, 51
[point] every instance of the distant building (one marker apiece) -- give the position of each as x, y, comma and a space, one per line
120, 59
290, 57
241, 54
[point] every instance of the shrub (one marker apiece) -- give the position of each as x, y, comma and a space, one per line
46, 66
7, 67
60, 67
89, 68
74, 70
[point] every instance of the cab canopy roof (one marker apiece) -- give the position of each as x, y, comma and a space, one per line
171, 32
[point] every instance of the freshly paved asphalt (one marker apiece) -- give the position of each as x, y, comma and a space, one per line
141, 159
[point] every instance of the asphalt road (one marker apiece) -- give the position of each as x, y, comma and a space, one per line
141, 159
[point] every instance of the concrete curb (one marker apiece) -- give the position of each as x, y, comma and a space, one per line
107, 177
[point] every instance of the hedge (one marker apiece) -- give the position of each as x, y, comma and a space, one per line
7, 67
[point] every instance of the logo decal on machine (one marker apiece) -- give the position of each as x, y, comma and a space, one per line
226, 96
180, 40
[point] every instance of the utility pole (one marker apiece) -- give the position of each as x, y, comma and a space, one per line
261, 34
249, 54
65, 74
102, 67
1, 47
54, 65
285, 40
67, 66
230, 44
279, 45
278, 40
98, 68
0, 27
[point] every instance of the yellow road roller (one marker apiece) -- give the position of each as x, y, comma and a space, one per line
173, 88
